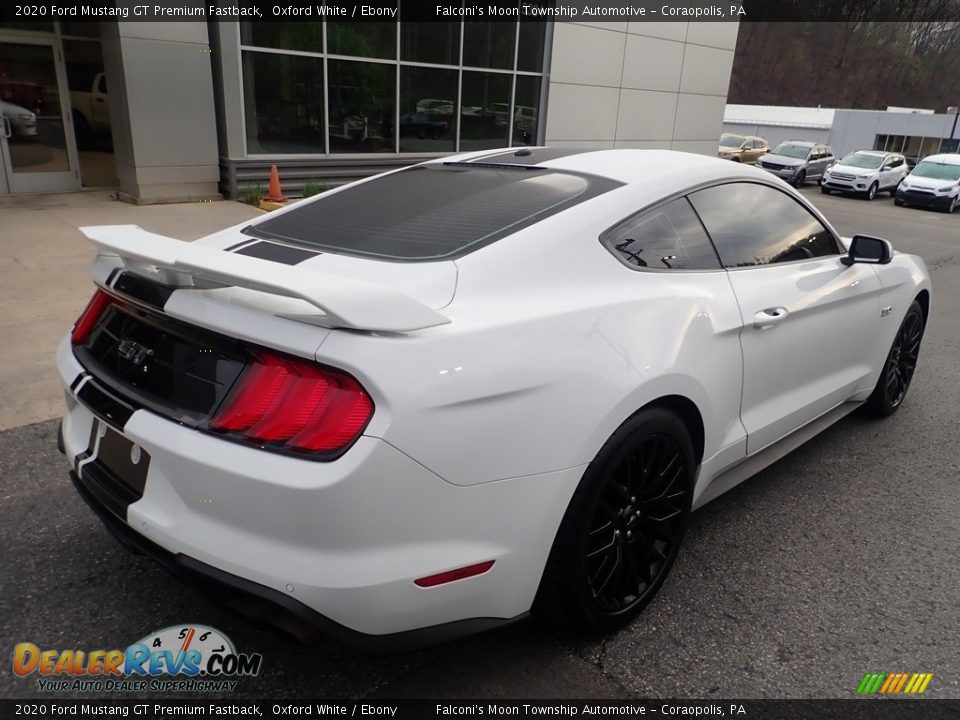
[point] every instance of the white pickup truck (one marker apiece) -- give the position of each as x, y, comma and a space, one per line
91, 111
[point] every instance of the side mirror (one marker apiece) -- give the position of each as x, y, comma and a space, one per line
868, 249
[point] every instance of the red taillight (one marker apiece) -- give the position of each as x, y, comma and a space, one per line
451, 575
295, 405
88, 318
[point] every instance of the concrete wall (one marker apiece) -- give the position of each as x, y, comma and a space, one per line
640, 84
775, 134
857, 129
162, 110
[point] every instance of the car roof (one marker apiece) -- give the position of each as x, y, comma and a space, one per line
664, 171
880, 153
805, 143
945, 158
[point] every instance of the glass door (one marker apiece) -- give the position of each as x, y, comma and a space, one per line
38, 150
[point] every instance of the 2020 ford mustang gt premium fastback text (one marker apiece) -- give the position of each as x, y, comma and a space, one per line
429, 402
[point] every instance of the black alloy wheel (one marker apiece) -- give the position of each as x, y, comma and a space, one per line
623, 527
871, 192
900, 365
637, 524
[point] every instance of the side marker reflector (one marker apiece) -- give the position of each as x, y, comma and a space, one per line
452, 575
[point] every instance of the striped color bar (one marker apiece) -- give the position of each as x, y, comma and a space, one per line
894, 683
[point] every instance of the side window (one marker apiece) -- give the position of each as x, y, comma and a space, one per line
828, 152
896, 162
667, 237
753, 224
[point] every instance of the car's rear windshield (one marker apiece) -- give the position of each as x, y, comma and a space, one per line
431, 212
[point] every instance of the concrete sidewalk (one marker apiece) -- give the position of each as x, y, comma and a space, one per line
45, 281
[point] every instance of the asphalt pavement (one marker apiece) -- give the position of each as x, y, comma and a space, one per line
840, 559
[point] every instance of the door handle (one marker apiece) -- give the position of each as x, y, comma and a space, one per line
769, 317
7, 129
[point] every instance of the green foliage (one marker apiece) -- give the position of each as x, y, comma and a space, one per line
251, 193
314, 187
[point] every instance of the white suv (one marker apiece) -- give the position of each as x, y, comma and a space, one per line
934, 182
865, 172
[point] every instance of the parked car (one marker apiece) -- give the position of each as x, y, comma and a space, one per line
865, 173
91, 108
797, 161
934, 182
22, 122
421, 125
435, 106
740, 148
406, 427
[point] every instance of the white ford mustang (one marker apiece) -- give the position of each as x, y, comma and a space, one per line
431, 401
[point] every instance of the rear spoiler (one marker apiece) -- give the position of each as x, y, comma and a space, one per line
347, 303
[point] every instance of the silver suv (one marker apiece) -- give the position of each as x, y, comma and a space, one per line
797, 161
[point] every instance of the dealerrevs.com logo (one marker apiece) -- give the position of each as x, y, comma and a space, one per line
182, 658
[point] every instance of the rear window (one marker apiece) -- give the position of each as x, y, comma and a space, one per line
432, 212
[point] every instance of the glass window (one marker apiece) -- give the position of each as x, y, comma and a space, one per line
283, 35
912, 146
526, 119
361, 106
26, 25
427, 100
80, 29
430, 212
930, 146
484, 110
880, 143
753, 224
667, 237
530, 50
894, 143
430, 42
283, 103
362, 39
489, 44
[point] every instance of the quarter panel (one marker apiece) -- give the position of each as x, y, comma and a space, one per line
533, 379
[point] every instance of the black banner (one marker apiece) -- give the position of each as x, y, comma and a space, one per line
43, 11
872, 709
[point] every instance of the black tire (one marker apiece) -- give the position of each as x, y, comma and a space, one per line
629, 511
82, 130
898, 368
893, 190
898, 201
952, 205
800, 179
825, 190
871, 192
735, 158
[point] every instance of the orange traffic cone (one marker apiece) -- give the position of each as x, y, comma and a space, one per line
274, 191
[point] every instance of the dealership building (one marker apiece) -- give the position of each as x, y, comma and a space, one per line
168, 111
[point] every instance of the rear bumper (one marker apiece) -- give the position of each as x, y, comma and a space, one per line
265, 605
340, 542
